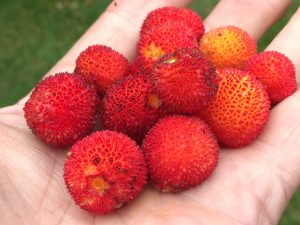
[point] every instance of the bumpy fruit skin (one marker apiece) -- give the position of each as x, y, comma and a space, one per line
185, 81
240, 109
131, 107
104, 171
172, 14
101, 65
227, 46
181, 152
134, 68
163, 39
62, 109
276, 72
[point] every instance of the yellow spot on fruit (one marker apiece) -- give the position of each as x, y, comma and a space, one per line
87, 202
227, 47
90, 170
99, 185
153, 101
153, 52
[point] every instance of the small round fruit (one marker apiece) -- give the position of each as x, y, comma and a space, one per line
276, 72
131, 107
101, 65
163, 39
240, 109
181, 152
62, 109
172, 14
185, 81
104, 171
227, 46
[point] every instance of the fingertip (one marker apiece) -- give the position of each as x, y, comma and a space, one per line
254, 16
287, 41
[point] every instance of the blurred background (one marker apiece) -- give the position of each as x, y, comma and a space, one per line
36, 34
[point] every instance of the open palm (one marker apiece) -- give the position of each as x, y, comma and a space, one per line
250, 185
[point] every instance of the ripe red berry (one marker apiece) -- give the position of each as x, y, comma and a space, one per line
101, 65
62, 109
131, 107
161, 40
276, 72
185, 81
240, 109
104, 171
181, 152
171, 14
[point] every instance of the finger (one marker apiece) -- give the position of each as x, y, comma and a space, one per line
118, 27
255, 16
287, 42
283, 130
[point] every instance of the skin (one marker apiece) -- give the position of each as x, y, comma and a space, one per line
250, 185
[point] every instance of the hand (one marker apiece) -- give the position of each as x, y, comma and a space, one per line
250, 185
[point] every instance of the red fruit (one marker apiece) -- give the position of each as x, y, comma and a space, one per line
181, 152
134, 68
172, 14
131, 107
101, 65
185, 81
161, 40
104, 171
240, 109
62, 109
276, 72
227, 46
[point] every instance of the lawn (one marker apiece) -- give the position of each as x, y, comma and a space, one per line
35, 34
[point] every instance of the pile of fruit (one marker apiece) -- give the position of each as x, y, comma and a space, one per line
161, 117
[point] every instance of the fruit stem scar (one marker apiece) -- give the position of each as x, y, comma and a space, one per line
99, 185
153, 101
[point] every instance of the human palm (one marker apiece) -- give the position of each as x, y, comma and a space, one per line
250, 185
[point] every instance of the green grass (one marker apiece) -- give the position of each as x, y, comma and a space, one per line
36, 34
